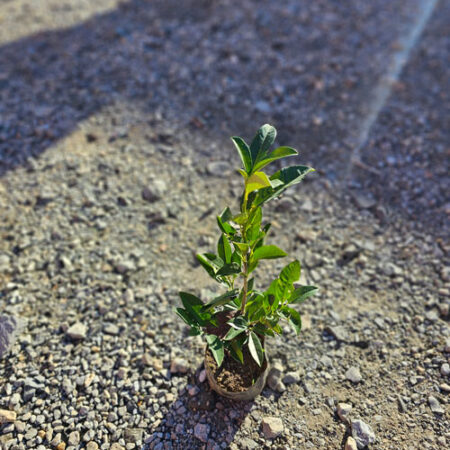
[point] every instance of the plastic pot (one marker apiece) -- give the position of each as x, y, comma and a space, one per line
248, 394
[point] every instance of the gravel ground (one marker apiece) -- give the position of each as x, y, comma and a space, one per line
114, 160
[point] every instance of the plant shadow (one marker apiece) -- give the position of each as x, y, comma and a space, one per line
198, 418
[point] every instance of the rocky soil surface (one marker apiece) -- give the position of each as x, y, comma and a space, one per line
114, 161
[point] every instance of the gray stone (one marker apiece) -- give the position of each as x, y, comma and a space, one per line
291, 378
362, 433
435, 406
10, 327
272, 427
353, 374
445, 369
201, 432
338, 332
133, 435
179, 365
218, 168
111, 329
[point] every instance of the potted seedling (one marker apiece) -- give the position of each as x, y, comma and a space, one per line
237, 323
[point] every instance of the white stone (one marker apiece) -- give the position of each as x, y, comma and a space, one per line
77, 331
343, 411
350, 444
7, 416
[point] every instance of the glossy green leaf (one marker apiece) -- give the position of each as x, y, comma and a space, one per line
262, 141
207, 265
280, 181
222, 219
216, 347
194, 308
257, 180
244, 152
224, 249
288, 276
185, 317
294, 318
243, 247
254, 231
278, 153
236, 351
301, 293
268, 252
290, 273
215, 260
255, 347
229, 269
236, 258
253, 265
221, 299
232, 333
239, 323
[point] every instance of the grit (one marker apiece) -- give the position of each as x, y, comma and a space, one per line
114, 161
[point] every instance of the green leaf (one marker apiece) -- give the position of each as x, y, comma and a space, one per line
290, 273
224, 249
288, 276
244, 152
229, 269
185, 317
301, 293
216, 347
243, 248
253, 265
262, 141
222, 219
221, 299
255, 347
215, 260
257, 180
236, 258
254, 230
193, 306
190, 300
232, 333
206, 264
239, 323
240, 219
294, 318
237, 350
263, 330
278, 153
280, 181
268, 252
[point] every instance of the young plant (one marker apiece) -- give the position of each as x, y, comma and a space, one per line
243, 316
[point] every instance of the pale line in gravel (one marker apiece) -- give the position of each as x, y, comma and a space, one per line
383, 89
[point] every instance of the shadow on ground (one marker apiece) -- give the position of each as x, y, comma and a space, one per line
184, 422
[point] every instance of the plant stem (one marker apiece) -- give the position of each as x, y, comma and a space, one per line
245, 259
245, 287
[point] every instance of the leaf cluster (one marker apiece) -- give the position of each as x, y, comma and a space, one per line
253, 314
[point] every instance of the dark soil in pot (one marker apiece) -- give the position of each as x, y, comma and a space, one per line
233, 376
